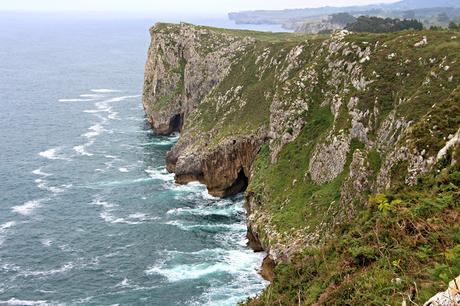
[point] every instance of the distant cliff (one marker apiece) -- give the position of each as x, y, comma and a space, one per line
314, 20
321, 132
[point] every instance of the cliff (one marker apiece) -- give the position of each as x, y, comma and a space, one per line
310, 127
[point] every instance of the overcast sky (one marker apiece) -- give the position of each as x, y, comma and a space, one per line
182, 7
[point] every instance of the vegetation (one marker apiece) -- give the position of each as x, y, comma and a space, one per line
454, 26
342, 18
405, 245
382, 25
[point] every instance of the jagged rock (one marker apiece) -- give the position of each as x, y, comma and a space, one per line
181, 69
329, 158
453, 141
267, 268
357, 183
450, 297
316, 27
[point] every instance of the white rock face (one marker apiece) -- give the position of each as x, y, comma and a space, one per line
450, 144
450, 297
421, 43
329, 158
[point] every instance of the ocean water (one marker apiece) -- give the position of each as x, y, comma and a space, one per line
88, 214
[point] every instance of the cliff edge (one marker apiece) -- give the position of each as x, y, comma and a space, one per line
323, 133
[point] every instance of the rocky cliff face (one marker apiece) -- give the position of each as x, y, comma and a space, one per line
184, 63
308, 125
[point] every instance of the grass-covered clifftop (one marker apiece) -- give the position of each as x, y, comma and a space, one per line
313, 127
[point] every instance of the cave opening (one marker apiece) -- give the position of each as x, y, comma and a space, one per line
176, 123
239, 185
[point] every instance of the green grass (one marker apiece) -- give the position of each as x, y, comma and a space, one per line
290, 197
408, 252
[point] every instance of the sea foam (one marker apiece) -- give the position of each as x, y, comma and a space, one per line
160, 174
14, 301
104, 90
27, 208
53, 154
75, 100
187, 272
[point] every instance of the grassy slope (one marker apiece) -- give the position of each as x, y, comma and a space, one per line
333, 274
249, 109
305, 204
404, 245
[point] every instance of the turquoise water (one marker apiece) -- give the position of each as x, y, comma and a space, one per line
88, 214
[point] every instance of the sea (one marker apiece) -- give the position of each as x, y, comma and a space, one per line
88, 213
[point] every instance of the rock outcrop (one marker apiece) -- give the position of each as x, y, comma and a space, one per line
184, 63
450, 297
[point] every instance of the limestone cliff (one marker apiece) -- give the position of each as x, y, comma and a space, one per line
309, 126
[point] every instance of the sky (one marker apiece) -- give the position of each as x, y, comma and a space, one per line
182, 7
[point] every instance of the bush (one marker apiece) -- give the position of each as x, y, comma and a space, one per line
454, 26
363, 255
383, 25
342, 18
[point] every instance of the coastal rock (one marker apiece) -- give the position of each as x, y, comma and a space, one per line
267, 268
329, 158
450, 297
353, 189
182, 67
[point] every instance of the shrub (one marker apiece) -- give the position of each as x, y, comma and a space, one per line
383, 25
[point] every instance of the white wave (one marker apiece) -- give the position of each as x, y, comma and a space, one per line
65, 268
94, 96
160, 174
123, 169
123, 283
122, 98
40, 172
207, 253
27, 208
187, 272
53, 154
246, 281
132, 219
99, 201
75, 100
206, 211
96, 130
192, 187
141, 217
109, 218
113, 116
14, 301
46, 242
7, 225
124, 182
104, 90
235, 227
92, 111
42, 184
81, 150
3, 229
